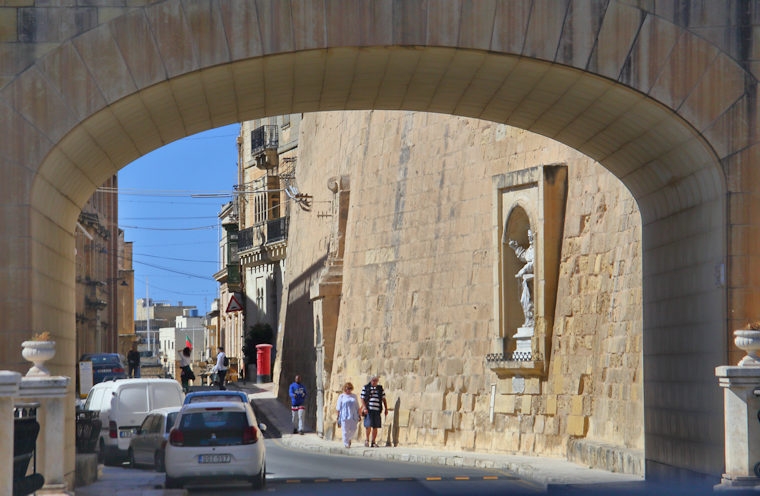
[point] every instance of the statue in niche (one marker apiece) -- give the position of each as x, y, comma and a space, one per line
525, 274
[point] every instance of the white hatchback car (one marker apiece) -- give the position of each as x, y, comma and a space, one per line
216, 441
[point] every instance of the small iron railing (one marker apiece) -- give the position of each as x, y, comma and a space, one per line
88, 427
264, 233
517, 356
25, 432
264, 138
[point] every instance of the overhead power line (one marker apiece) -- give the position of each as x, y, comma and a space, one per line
197, 228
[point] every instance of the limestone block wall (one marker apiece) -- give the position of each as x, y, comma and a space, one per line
417, 300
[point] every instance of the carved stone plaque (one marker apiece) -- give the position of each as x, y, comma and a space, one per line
518, 385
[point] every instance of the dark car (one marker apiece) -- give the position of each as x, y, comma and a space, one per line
106, 366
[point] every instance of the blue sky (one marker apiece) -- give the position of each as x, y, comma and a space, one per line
175, 234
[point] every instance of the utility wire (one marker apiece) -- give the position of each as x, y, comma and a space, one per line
175, 259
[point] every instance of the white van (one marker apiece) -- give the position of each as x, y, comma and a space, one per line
123, 405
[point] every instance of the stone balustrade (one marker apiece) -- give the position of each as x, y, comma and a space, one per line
50, 392
741, 386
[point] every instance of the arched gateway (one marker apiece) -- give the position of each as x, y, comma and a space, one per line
664, 98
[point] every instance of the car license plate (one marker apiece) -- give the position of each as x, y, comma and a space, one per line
127, 432
213, 458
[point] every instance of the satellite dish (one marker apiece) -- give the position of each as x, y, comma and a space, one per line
291, 191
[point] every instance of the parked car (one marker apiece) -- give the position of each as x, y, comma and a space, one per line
147, 447
214, 395
122, 406
106, 366
216, 441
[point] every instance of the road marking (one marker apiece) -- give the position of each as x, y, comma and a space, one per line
462, 477
490, 477
433, 478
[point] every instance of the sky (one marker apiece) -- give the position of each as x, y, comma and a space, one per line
175, 233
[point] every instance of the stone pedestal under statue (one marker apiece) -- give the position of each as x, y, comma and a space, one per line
522, 340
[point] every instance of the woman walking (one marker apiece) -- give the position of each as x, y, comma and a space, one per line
348, 413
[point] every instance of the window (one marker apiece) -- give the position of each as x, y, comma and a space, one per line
133, 399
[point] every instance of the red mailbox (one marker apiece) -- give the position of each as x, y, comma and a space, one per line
263, 363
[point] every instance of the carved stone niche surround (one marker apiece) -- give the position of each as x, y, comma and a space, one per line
535, 199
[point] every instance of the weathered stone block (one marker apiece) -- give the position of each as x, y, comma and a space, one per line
533, 385
577, 425
451, 402
468, 402
403, 417
551, 405
538, 424
504, 403
576, 405
466, 440
526, 403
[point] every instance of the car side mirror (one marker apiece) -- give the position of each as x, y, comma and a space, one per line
262, 427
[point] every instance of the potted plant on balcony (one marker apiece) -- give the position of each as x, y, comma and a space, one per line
38, 350
749, 340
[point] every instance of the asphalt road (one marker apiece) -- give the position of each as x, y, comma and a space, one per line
294, 472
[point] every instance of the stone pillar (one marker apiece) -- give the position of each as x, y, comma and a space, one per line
741, 393
9, 385
50, 392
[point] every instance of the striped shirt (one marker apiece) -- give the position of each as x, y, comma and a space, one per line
373, 396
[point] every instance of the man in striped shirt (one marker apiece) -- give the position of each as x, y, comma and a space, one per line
372, 403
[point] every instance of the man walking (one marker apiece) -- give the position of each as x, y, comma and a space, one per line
372, 401
222, 362
297, 407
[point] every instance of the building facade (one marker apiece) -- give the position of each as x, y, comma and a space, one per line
258, 218
102, 278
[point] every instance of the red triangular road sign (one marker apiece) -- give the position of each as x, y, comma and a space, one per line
234, 305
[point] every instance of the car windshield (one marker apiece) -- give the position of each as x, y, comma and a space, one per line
204, 398
213, 427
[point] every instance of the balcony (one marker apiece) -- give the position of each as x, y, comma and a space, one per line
265, 141
264, 242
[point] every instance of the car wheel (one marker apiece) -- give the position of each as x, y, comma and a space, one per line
131, 457
260, 480
172, 483
158, 461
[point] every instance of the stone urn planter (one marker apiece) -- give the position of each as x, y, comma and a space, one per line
38, 351
749, 341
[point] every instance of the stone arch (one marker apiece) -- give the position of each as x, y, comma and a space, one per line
660, 106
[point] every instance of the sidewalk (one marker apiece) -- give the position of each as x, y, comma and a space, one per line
556, 476
550, 473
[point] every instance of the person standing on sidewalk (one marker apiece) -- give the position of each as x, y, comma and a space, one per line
221, 367
297, 407
373, 399
348, 413
133, 360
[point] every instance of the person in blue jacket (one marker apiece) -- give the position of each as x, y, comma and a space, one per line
297, 394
